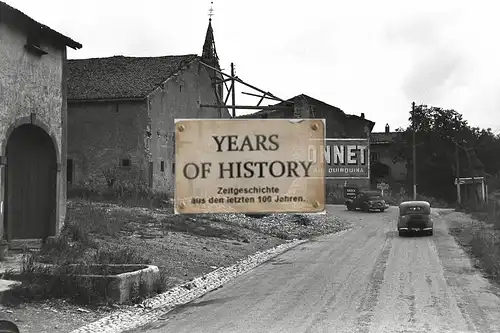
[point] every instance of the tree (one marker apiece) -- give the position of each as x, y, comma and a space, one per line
438, 131
487, 149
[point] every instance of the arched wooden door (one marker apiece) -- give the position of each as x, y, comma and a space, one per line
30, 198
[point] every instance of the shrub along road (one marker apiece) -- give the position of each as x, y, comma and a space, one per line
367, 279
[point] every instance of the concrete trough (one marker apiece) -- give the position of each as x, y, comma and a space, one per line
121, 282
118, 282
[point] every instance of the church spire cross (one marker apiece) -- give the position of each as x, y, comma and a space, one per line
211, 11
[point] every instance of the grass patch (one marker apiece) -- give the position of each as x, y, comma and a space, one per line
482, 242
485, 246
83, 243
122, 193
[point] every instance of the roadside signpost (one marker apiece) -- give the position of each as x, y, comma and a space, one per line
382, 187
248, 166
350, 192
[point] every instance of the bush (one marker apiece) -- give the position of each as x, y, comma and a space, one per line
396, 199
125, 196
110, 188
121, 255
488, 212
485, 245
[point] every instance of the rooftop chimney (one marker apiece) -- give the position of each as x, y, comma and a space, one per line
386, 128
362, 115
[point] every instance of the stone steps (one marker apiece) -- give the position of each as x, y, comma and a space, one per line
12, 262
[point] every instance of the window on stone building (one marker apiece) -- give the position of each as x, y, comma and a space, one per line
173, 168
69, 171
374, 156
125, 162
162, 166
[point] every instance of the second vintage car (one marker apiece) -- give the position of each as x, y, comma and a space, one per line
367, 201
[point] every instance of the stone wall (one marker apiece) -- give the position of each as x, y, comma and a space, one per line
33, 85
180, 97
101, 135
399, 170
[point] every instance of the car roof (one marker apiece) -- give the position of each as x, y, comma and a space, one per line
414, 203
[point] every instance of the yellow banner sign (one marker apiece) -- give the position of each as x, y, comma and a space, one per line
248, 166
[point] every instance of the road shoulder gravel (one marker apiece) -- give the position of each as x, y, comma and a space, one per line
158, 306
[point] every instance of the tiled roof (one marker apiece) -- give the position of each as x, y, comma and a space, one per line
313, 102
317, 102
121, 77
15, 17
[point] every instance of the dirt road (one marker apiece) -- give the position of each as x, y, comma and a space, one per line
367, 279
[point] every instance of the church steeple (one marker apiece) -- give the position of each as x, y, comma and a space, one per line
210, 57
209, 53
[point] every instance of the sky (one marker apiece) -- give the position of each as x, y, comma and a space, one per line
363, 56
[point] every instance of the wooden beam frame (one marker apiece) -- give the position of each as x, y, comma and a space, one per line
231, 92
249, 107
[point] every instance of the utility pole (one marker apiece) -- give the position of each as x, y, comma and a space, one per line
233, 93
414, 152
459, 197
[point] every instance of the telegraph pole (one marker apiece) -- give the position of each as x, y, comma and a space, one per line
459, 199
414, 152
233, 92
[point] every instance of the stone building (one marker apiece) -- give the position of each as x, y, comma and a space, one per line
33, 127
121, 113
384, 169
338, 125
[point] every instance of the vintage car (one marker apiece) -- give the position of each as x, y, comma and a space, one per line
415, 216
367, 201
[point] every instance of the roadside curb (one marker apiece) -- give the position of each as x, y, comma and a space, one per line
155, 307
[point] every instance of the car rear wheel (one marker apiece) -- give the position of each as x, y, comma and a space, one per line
401, 233
430, 232
349, 206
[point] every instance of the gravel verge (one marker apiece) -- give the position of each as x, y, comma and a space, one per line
155, 307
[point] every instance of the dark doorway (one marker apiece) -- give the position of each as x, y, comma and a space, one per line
30, 184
